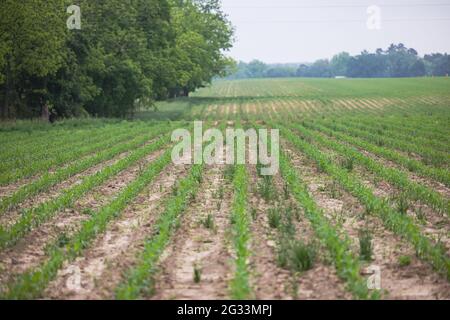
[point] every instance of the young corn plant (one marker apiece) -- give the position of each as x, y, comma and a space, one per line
398, 223
365, 245
34, 217
139, 280
31, 284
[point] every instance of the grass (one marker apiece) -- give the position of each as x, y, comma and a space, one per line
208, 222
197, 274
404, 261
274, 217
347, 266
365, 245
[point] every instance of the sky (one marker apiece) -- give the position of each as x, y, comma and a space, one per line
293, 31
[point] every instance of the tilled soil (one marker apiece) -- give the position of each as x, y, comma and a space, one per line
196, 246
97, 273
273, 282
30, 251
416, 280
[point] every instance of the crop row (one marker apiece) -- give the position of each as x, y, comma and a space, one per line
139, 281
34, 217
412, 165
430, 156
12, 173
347, 265
339, 246
240, 288
413, 190
371, 126
400, 224
30, 285
22, 153
50, 179
15, 140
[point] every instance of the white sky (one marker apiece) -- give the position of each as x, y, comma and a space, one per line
307, 30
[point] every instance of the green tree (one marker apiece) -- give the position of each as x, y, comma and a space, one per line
32, 37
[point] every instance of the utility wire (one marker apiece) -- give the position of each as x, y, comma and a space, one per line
340, 6
343, 20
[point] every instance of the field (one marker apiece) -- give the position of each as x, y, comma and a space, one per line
95, 209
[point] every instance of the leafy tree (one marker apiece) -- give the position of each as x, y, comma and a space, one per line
32, 37
128, 54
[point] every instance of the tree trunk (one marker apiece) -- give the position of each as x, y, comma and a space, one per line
7, 92
45, 113
3, 106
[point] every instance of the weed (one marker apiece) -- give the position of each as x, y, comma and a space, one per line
266, 189
221, 193
365, 245
274, 218
229, 173
62, 240
348, 163
286, 191
208, 222
302, 256
404, 261
402, 203
197, 274
254, 213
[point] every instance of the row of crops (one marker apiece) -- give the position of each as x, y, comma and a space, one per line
100, 211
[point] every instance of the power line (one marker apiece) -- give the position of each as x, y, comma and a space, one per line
340, 6
343, 20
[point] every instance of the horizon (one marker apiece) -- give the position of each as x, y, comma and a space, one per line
332, 28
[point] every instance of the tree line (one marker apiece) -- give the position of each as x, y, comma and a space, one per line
395, 61
127, 54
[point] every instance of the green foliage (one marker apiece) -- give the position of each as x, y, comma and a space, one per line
396, 61
127, 55
302, 256
404, 261
30, 285
400, 224
365, 245
140, 278
274, 218
208, 222
347, 266
267, 189
197, 274
240, 286
34, 217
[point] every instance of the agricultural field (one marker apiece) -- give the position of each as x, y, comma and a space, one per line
96, 209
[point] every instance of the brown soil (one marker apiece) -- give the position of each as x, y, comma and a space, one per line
414, 281
196, 247
274, 282
30, 251
96, 274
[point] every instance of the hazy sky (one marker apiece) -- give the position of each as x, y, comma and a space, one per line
306, 30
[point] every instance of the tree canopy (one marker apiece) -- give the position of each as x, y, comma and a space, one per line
127, 54
395, 61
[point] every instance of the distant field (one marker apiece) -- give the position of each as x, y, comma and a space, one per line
96, 209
